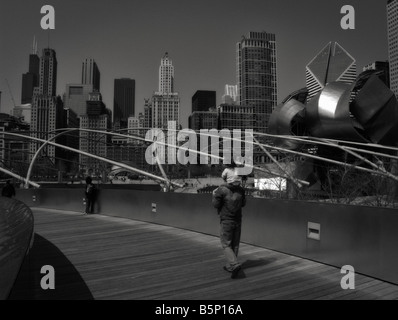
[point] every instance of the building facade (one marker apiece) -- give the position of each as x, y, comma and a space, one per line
203, 120
30, 80
46, 114
48, 73
166, 75
23, 112
2, 147
97, 118
14, 151
165, 104
123, 102
76, 97
165, 108
203, 100
392, 33
91, 74
236, 117
230, 94
147, 114
332, 63
256, 65
133, 126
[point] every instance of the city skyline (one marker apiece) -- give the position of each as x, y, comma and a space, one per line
128, 39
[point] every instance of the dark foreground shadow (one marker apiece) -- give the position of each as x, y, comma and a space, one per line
256, 263
68, 283
252, 264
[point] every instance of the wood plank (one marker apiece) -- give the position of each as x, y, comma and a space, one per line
99, 257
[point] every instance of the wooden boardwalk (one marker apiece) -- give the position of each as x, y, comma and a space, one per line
101, 257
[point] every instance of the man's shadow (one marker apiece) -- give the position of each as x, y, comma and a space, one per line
252, 264
68, 283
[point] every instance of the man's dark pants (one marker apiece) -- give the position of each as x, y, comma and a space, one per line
230, 232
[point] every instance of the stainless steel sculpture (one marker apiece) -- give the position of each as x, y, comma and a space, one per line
376, 109
367, 114
285, 119
328, 114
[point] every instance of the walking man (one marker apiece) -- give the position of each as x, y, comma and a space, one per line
229, 199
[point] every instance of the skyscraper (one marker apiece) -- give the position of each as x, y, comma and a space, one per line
123, 102
256, 75
76, 97
165, 102
235, 117
332, 63
30, 80
166, 75
46, 107
91, 74
97, 118
48, 73
392, 31
2, 146
230, 94
133, 125
203, 120
203, 100
147, 114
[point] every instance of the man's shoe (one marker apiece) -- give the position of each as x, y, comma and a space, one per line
235, 272
226, 269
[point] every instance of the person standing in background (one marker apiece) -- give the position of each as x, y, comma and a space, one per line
90, 194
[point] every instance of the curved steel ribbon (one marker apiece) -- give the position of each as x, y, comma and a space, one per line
365, 111
376, 108
287, 119
328, 114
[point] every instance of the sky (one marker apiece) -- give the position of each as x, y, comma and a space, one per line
128, 38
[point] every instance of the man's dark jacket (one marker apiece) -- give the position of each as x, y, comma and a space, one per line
229, 200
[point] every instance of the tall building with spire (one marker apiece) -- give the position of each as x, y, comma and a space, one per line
392, 32
166, 75
30, 80
165, 102
46, 107
256, 72
332, 63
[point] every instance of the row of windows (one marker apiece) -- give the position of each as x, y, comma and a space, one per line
264, 56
